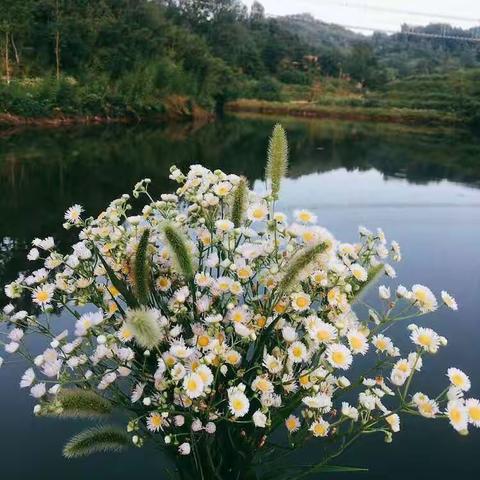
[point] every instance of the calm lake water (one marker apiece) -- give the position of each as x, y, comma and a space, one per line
421, 186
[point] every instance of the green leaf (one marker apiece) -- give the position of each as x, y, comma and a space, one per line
373, 275
77, 403
334, 469
96, 440
118, 284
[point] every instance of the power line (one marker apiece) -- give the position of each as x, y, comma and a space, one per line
365, 6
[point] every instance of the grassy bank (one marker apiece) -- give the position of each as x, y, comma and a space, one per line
446, 99
304, 109
49, 102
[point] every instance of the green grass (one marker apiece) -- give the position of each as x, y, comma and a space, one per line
452, 98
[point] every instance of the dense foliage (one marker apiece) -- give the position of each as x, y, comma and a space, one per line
124, 57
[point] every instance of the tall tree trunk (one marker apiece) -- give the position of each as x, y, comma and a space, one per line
57, 39
15, 50
7, 59
57, 53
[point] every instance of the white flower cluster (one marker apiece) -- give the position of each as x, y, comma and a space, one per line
256, 336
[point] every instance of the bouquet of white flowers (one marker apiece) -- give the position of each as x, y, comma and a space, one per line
223, 332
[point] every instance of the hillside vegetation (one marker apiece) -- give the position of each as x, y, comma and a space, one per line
125, 59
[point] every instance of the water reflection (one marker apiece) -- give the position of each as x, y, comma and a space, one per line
411, 182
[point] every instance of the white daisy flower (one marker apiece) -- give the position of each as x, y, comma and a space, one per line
305, 216
297, 352
43, 294
27, 378
193, 385
358, 342
359, 272
473, 409
154, 422
300, 301
457, 413
73, 214
137, 392
394, 421
238, 402
426, 338
424, 298
458, 379
38, 390
184, 449
319, 428
339, 356
448, 300
292, 423
257, 212
259, 419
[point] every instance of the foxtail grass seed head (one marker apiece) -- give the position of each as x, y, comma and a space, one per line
141, 269
277, 159
298, 264
239, 202
80, 403
144, 326
96, 440
182, 257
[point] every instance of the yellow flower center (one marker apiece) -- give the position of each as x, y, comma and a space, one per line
302, 302
381, 344
258, 213
304, 216
291, 423
323, 335
156, 420
356, 343
297, 351
304, 379
457, 380
261, 321
455, 415
308, 236
243, 273
237, 404
338, 357
203, 340
474, 413
192, 384
425, 340
319, 430
426, 408
403, 367
42, 296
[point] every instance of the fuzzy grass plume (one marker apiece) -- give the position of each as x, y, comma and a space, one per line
277, 159
78, 403
239, 203
145, 326
141, 269
298, 264
99, 439
179, 249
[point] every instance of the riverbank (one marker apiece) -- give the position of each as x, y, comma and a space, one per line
311, 110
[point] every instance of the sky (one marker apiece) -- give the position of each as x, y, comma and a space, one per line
368, 15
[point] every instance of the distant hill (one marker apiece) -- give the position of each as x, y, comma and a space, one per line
403, 53
319, 34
